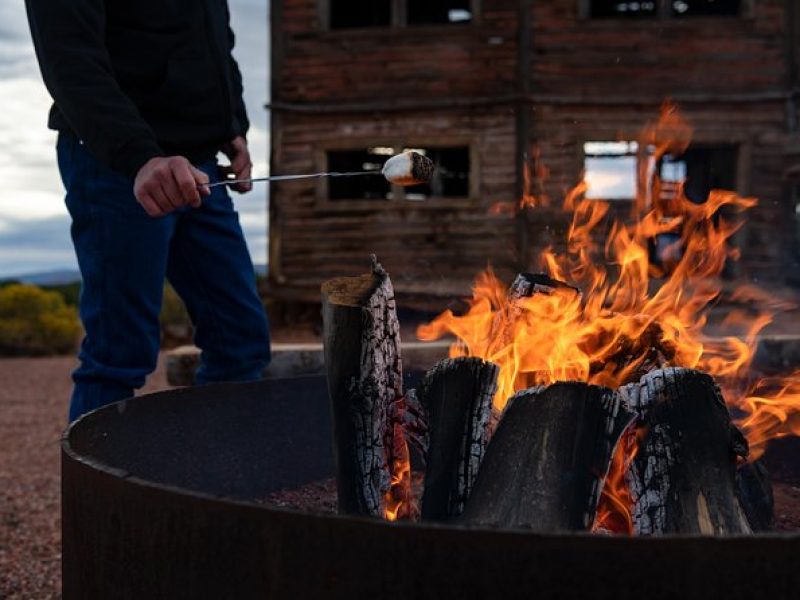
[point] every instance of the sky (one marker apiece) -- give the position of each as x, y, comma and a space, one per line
34, 224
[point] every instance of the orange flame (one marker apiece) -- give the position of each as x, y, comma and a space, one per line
534, 197
635, 313
614, 509
398, 502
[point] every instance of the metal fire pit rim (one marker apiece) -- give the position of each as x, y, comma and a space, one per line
380, 525
221, 501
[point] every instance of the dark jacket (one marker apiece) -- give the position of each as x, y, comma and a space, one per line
135, 79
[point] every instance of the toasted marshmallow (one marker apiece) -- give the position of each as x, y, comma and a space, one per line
408, 168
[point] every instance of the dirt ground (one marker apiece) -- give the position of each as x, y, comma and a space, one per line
34, 395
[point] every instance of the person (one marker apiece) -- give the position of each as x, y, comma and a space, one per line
146, 93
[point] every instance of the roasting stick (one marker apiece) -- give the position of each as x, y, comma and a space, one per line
408, 168
290, 177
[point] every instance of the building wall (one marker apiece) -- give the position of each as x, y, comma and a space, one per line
588, 80
433, 246
429, 85
596, 80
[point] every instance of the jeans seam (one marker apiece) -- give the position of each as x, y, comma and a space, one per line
216, 328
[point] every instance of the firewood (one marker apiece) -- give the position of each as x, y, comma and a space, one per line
528, 284
525, 285
457, 395
362, 357
683, 477
633, 358
754, 490
546, 463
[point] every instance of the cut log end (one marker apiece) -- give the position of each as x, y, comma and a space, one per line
362, 356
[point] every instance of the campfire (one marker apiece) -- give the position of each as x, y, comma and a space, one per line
583, 398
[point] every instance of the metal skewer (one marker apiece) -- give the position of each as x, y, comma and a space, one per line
290, 177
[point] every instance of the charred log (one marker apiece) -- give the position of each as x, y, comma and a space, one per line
528, 284
457, 395
361, 338
525, 285
754, 490
683, 477
631, 358
546, 463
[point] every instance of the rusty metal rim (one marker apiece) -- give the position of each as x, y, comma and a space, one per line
377, 525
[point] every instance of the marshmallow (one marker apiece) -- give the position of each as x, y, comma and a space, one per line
408, 168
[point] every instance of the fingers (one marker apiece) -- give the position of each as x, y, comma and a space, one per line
200, 179
245, 173
165, 184
162, 199
241, 166
150, 206
183, 175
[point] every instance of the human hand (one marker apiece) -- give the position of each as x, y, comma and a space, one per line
241, 166
166, 183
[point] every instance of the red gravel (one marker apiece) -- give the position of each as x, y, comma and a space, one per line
34, 394
319, 497
787, 506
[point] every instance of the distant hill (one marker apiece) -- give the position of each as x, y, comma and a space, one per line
67, 276
55, 277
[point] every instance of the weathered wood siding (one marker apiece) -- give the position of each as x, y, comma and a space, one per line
432, 246
341, 89
588, 80
604, 79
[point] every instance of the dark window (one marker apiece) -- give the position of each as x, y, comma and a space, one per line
364, 187
619, 9
451, 177
422, 12
702, 169
697, 8
346, 15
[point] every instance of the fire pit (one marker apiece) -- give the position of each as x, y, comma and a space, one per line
163, 498
579, 407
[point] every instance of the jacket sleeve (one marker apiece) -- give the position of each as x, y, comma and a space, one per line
242, 124
69, 37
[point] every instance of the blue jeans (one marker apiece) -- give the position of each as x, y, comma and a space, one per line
124, 256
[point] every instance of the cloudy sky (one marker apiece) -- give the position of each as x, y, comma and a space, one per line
34, 225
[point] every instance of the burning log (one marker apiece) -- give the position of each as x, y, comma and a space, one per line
683, 478
362, 357
546, 463
525, 285
457, 395
754, 490
528, 284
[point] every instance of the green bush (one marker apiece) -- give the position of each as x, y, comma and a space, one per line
69, 291
35, 322
176, 326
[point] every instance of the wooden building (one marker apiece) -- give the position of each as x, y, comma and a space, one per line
477, 84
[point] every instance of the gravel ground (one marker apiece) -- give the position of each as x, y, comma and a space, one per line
34, 395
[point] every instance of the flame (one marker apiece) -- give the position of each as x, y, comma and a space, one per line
534, 177
398, 502
635, 313
614, 509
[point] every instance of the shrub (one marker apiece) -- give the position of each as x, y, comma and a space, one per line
176, 326
35, 322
